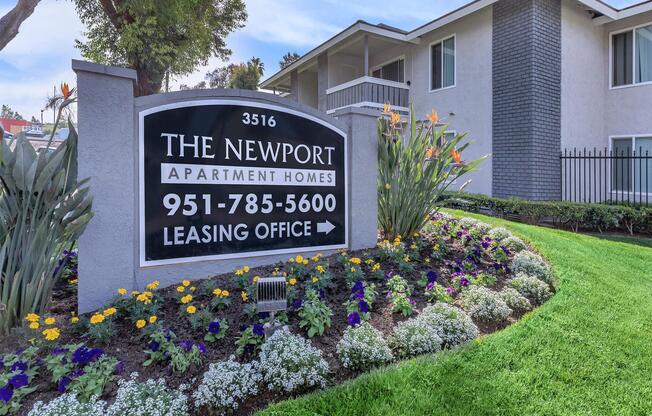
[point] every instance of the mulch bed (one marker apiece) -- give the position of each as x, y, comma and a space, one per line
130, 349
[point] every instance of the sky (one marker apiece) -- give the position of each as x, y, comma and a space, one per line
39, 58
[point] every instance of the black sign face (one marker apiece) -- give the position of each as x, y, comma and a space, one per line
225, 179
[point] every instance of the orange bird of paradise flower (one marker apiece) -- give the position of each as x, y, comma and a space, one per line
433, 117
457, 156
394, 118
387, 108
65, 90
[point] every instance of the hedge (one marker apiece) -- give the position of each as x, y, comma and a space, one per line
561, 214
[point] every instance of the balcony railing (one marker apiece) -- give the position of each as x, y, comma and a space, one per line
369, 92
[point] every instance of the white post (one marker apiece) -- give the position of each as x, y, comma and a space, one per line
366, 55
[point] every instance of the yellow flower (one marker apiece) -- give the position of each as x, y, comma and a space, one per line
255, 279
225, 293
320, 269
186, 283
239, 272
140, 324
152, 286
388, 186
246, 269
355, 260
192, 289
299, 259
181, 289
49, 321
305, 262
72, 281
243, 295
314, 279
32, 317
387, 108
352, 269
153, 319
413, 246
97, 318
186, 299
293, 281
394, 118
142, 298
135, 293
217, 292
51, 334
375, 267
110, 311
122, 291
191, 309
74, 320
34, 325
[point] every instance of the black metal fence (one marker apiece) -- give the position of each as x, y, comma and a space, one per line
605, 176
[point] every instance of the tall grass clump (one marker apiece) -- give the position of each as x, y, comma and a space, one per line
416, 164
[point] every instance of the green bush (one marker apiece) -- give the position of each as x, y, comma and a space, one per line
43, 210
414, 171
562, 214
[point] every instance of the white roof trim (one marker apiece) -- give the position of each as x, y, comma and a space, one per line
634, 10
451, 17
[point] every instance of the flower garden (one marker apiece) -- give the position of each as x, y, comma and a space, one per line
347, 313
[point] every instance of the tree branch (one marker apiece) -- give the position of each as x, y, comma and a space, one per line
10, 23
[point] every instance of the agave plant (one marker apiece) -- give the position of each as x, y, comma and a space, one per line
414, 171
43, 209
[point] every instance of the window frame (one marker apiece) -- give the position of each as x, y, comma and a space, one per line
430, 74
390, 61
632, 173
611, 58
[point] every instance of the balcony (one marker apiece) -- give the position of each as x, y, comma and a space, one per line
368, 92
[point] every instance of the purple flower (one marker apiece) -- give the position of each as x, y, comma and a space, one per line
389, 275
432, 276
202, 347
389, 295
450, 290
506, 250
259, 330
363, 306
357, 287
63, 384
486, 243
464, 282
19, 380
412, 302
430, 286
59, 351
6, 393
214, 327
359, 295
2, 363
154, 346
186, 344
321, 293
353, 318
82, 355
297, 304
263, 315
77, 373
119, 368
19, 366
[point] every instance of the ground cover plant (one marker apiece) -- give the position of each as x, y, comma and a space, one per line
585, 351
347, 313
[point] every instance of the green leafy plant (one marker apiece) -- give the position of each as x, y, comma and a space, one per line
413, 171
314, 314
182, 355
43, 210
16, 372
250, 339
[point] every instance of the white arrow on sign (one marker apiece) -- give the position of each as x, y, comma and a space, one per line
325, 227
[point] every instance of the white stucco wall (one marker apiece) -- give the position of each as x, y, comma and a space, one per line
627, 110
343, 68
308, 88
471, 99
582, 79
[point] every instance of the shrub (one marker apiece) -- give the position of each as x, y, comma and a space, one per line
532, 264
362, 347
414, 337
399, 293
467, 222
289, 362
413, 171
484, 304
515, 300
68, 405
151, 398
499, 234
452, 324
531, 287
44, 210
226, 384
514, 244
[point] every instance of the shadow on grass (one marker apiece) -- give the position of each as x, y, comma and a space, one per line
620, 238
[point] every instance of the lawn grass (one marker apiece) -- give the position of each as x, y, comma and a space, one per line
587, 351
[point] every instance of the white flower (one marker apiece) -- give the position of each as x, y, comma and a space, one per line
151, 398
531, 287
226, 384
484, 304
532, 264
68, 405
362, 347
452, 325
414, 337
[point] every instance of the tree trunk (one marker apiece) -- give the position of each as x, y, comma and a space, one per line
10, 23
147, 83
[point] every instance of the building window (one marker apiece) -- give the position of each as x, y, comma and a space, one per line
391, 71
631, 56
442, 64
631, 168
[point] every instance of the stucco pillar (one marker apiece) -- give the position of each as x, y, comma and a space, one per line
322, 81
106, 135
294, 85
363, 173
